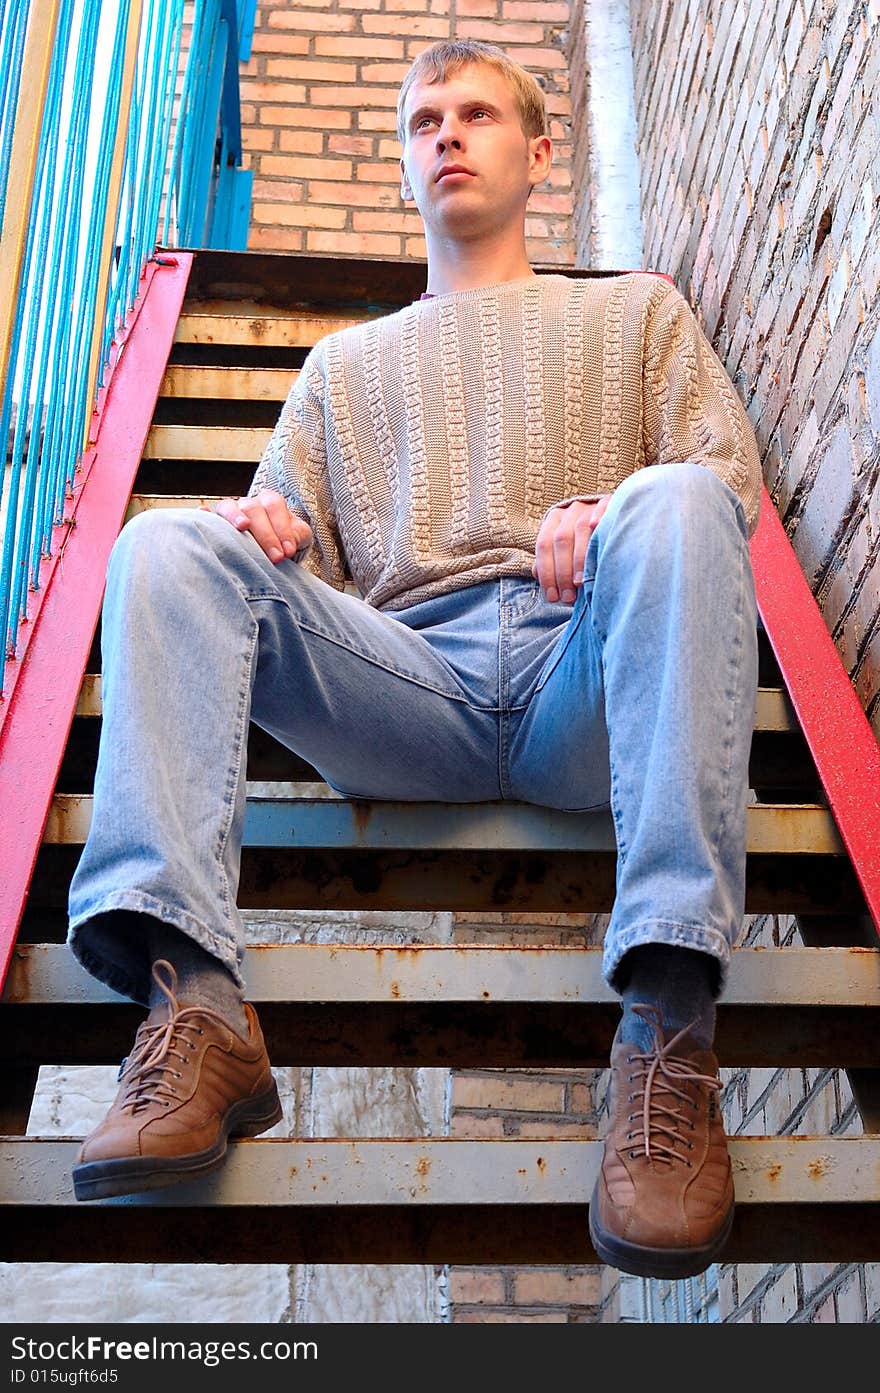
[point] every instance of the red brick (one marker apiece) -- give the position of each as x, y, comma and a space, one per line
300, 216
324, 22
355, 97
475, 1288
478, 9
493, 34
355, 243
280, 43
511, 1093
387, 172
351, 144
356, 46
428, 28
384, 72
316, 118
386, 222
556, 1287
255, 139
365, 195
303, 142
305, 168
549, 13
273, 92
475, 1126
312, 70
377, 120
434, 7
274, 239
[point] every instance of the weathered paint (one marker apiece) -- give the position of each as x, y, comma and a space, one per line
42, 701
835, 727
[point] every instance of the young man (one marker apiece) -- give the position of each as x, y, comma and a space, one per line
544, 489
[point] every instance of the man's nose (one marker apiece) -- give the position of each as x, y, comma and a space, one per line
448, 137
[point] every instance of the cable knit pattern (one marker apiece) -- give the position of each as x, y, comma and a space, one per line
356, 482
490, 341
411, 389
426, 447
572, 403
456, 426
533, 375
612, 388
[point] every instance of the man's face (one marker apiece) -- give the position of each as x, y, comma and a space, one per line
467, 162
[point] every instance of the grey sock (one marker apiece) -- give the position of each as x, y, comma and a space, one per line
202, 979
680, 982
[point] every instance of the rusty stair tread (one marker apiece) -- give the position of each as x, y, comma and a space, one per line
312, 815
47, 973
423, 1200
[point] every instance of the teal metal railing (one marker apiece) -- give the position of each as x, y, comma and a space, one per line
102, 161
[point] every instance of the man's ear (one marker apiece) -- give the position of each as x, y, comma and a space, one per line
540, 158
405, 190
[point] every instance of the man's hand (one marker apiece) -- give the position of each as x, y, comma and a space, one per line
561, 547
267, 517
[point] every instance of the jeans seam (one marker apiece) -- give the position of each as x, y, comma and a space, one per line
239, 747
734, 670
388, 667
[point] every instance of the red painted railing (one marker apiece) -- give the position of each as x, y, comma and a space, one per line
43, 683
837, 731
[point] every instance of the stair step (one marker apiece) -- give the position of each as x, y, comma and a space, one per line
259, 325
41, 974
424, 1200
473, 1006
307, 815
228, 384
239, 444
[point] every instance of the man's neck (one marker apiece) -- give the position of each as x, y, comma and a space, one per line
453, 267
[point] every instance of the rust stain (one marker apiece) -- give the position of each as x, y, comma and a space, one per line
774, 1171
395, 989
258, 328
361, 812
822, 1165
541, 1164
423, 1166
293, 1170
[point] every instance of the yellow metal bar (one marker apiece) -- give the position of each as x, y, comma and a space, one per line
113, 194
39, 46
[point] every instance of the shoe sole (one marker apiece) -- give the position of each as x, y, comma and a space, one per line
669, 1263
94, 1180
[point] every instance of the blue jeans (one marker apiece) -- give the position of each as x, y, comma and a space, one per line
640, 696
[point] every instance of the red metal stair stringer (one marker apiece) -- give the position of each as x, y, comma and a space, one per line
37, 709
837, 731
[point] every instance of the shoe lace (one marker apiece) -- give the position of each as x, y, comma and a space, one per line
665, 1094
151, 1072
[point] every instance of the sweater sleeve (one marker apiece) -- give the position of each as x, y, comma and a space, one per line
691, 408
294, 463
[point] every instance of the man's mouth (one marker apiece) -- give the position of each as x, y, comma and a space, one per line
449, 169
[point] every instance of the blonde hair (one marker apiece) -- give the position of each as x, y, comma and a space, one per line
435, 64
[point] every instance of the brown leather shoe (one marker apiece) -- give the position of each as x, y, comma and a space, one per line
663, 1202
189, 1083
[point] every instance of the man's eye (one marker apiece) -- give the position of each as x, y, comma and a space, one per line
423, 121
480, 111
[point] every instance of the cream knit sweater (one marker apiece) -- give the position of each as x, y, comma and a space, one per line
425, 447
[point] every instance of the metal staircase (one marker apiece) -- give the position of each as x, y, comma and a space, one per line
245, 326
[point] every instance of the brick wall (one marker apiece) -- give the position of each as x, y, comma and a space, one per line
318, 119
760, 183
557, 1103
760, 176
